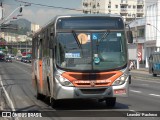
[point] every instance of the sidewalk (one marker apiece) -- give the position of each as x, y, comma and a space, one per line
141, 68
143, 74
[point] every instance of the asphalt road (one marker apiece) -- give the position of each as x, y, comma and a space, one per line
15, 78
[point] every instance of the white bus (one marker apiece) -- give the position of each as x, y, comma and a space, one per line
82, 57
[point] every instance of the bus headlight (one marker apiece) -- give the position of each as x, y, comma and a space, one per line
121, 80
63, 81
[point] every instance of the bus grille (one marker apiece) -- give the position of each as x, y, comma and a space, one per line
93, 91
100, 79
92, 83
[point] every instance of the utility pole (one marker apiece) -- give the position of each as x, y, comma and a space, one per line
136, 31
26, 45
137, 51
1, 5
11, 45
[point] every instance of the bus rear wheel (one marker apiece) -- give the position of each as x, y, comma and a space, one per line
110, 102
38, 95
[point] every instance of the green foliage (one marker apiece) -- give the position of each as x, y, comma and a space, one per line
2, 47
2, 40
22, 31
15, 51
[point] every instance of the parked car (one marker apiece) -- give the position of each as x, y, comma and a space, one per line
12, 56
27, 60
8, 60
2, 57
18, 58
23, 59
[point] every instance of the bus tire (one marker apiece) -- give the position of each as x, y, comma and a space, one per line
48, 83
53, 103
110, 102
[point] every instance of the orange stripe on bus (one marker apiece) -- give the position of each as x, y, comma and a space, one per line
84, 79
40, 74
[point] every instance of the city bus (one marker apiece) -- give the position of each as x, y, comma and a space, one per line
82, 57
154, 64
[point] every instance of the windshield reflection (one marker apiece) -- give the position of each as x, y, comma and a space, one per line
91, 51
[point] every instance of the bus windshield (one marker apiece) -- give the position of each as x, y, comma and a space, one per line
104, 50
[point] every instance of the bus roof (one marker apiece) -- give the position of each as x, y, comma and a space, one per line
83, 15
90, 15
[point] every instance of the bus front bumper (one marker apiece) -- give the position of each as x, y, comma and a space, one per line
63, 92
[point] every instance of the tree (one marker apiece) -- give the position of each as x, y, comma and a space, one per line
2, 40
15, 51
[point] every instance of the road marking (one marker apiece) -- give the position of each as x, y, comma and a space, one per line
155, 95
132, 110
148, 81
8, 98
135, 91
1, 105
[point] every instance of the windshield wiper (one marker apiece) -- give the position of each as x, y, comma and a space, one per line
103, 37
78, 43
75, 37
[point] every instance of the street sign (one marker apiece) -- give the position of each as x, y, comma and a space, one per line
94, 36
139, 59
139, 54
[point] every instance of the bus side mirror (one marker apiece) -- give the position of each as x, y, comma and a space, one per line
129, 36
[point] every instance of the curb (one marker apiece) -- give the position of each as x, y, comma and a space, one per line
144, 70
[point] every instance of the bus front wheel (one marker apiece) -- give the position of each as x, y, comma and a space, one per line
110, 102
53, 103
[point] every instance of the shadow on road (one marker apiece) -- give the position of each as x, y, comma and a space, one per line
84, 104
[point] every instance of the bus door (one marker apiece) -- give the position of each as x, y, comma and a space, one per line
40, 66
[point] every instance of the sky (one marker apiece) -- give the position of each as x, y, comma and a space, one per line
41, 15
38, 14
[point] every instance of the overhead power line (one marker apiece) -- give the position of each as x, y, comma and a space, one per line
48, 5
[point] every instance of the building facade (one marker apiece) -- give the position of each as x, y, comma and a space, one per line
128, 9
137, 48
13, 38
152, 43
